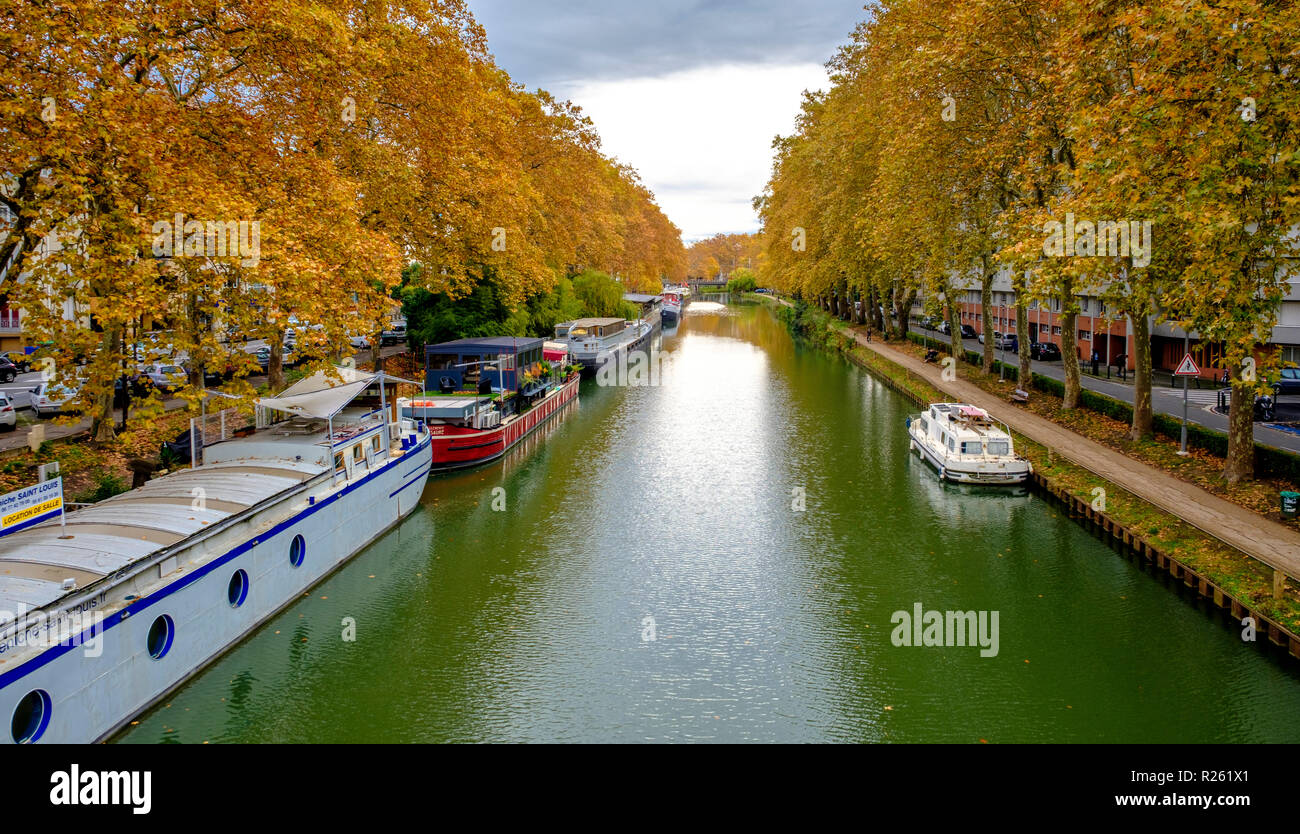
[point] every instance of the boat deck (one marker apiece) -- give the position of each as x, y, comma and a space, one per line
127, 528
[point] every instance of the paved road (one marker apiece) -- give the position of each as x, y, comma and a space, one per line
1163, 400
1268, 541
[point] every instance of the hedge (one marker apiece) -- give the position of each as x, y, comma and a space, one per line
1268, 460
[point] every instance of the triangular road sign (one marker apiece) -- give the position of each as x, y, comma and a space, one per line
1187, 367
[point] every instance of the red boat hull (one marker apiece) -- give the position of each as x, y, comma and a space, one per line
455, 447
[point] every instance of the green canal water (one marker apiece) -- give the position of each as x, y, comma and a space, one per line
677, 503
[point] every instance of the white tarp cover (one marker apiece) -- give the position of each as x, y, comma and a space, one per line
318, 403
319, 381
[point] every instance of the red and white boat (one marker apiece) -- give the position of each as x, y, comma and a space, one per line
492, 393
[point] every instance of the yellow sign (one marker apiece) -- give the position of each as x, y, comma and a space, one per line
31, 512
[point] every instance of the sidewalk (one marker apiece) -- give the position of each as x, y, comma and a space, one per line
1267, 541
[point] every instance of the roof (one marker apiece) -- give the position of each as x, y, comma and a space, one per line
640, 297
497, 344
594, 322
108, 536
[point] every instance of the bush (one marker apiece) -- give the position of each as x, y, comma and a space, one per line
106, 486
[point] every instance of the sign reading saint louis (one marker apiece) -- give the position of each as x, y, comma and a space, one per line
31, 505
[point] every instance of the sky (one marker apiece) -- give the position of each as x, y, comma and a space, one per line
690, 94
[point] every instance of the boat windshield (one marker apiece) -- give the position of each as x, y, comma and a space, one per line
999, 447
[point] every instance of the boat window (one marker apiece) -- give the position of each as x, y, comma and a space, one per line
31, 717
297, 551
160, 637
925, 425
356, 452
999, 447
971, 447
952, 445
338, 463
374, 443
237, 590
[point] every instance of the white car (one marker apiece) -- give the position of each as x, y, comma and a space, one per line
48, 398
359, 342
8, 416
165, 378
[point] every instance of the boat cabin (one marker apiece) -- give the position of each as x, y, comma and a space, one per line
490, 363
965, 430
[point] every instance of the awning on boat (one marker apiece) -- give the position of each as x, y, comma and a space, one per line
321, 396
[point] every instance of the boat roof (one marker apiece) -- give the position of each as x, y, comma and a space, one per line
640, 297
496, 344
594, 322
112, 534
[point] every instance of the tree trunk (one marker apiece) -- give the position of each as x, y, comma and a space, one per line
1025, 373
1240, 463
1143, 416
986, 301
954, 328
1069, 351
101, 429
275, 363
877, 312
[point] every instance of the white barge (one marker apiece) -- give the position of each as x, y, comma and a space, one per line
103, 616
966, 445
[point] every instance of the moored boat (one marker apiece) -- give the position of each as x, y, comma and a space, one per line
106, 613
596, 342
966, 445
491, 393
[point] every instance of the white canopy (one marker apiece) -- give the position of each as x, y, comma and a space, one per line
320, 396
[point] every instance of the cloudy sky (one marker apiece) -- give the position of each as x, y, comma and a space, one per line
690, 93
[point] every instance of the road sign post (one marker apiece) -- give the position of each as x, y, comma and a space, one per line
1187, 368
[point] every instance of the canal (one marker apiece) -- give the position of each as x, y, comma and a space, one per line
719, 558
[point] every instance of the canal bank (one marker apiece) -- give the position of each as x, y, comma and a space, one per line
1232, 557
720, 558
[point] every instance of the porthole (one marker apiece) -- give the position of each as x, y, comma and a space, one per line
237, 591
160, 636
297, 551
31, 717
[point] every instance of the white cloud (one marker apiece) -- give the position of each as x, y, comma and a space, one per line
701, 139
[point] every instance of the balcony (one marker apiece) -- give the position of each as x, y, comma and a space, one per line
9, 323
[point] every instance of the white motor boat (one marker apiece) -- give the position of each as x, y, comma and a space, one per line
966, 445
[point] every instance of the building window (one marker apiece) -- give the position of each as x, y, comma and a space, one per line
160, 637
1085, 335
1056, 330
31, 717
1056, 305
237, 590
1083, 304
297, 551
1291, 354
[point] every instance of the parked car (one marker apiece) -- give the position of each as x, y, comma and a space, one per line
1044, 351
945, 328
8, 416
967, 332
1287, 383
359, 342
50, 398
395, 335
8, 370
1006, 341
165, 378
287, 357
